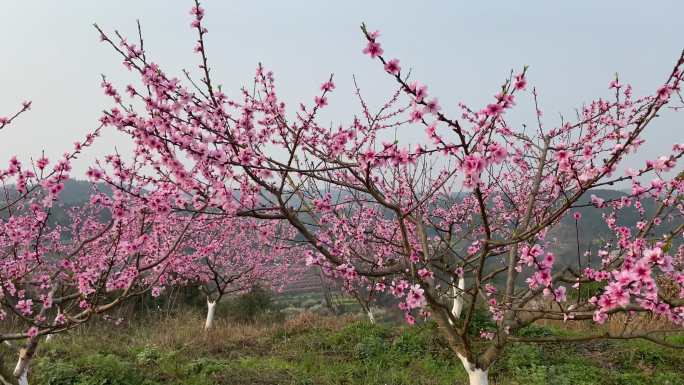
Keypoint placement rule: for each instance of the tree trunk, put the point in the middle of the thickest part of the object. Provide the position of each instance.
(211, 309)
(327, 295)
(476, 376)
(457, 307)
(50, 337)
(23, 380)
(29, 351)
(24, 361)
(371, 317)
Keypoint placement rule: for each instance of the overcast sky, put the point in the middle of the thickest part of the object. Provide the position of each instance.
(463, 50)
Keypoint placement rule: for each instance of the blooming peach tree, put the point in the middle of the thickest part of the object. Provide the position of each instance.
(450, 223)
(57, 275)
(233, 255)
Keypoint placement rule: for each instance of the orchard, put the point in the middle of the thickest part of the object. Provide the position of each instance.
(441, 210)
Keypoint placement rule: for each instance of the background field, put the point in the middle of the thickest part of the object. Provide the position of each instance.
(256, 343)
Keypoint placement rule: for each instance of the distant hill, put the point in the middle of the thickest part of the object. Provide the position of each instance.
(592, 228)
(75, 194)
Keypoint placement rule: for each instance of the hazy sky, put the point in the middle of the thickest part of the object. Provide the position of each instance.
(463, 50)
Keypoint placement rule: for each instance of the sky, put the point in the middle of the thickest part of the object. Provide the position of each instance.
(463, 50)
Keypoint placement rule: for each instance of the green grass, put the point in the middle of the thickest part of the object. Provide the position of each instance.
(320, 350)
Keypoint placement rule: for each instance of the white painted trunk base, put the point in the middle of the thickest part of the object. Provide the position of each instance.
(457, 308)
(211, 309)
(371, 317)
(476, 375)
(21, 370)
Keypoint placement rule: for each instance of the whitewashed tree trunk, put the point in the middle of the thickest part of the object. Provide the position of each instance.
(476, 376)
(50, 337)
(23, 380)
(458, 299)
(211, 309)
(22, 368)
(29, 351)
(371, 317)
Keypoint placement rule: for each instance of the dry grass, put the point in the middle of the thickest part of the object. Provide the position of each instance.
(617, 324)
(185, 332)
(314, 349)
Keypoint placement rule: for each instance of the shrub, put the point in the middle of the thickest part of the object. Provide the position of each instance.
(255, 304)
(95, 369)
(205, 366)
(149, 355)
(356, 333)
(412, 342)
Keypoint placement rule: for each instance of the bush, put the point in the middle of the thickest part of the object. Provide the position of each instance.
(149, 355)
(357, 333)
(95, 369)
(205, 367)
(256, 304)
(520, 356)
(415, 341)
(531, 375)
(370, 348)
(578, 373)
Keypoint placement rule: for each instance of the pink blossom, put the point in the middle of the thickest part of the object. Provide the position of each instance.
(392, 66)
(373, 49)
(596, 201)
(156, 292)
(520, 82)
(42, 163)
(473, 164)
(416, 115)
(25, 307)
(497, 153)
(432, 106)
(321, 101)
(560, 294)
(494, 109)
(664, 93)
(487, 335)
(94, 174)
(328, 86)
(425, 274)
(631, 172)
(32, 332)
(415, 297)
(419, 91)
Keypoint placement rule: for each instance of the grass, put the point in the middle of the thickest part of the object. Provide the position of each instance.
(310, 349)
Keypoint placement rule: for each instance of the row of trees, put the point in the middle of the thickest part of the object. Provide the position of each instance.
(451, 222)
(55, 276)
